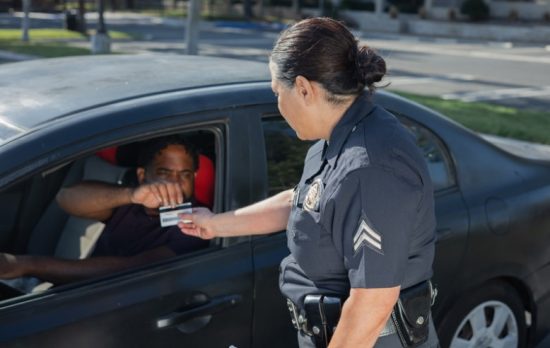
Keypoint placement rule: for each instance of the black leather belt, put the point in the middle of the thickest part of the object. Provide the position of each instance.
(300, 322)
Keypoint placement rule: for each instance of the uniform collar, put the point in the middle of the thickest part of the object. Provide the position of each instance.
(359, 109)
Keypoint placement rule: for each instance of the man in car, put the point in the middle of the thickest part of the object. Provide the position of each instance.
(132, 235)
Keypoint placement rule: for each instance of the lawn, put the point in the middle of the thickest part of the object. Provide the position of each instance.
(529, 125)
(47, 42)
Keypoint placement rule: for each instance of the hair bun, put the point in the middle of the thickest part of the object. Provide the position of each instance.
(371, 67)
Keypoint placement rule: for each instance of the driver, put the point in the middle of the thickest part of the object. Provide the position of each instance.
(132, 235)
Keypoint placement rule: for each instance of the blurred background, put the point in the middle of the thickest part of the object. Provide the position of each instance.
(484, 63)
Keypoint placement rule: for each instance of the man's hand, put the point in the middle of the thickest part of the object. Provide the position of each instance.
(157, 194)
(10, 267)
(198, 224)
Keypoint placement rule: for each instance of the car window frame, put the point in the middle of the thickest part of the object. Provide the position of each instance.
(441, 145)
(217, 127)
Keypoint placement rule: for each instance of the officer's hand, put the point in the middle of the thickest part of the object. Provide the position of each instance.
(9, 268)
(157, 194)
(198, 224)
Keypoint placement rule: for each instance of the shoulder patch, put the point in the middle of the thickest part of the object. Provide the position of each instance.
(367, 236)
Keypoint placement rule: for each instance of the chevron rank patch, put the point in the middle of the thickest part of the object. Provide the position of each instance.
(366, 235)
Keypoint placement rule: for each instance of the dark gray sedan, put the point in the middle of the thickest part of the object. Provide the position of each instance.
(492, 266)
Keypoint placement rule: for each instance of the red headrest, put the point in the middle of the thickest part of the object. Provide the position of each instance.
(204, 180)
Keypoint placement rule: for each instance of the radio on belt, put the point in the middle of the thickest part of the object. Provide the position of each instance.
(169, 214)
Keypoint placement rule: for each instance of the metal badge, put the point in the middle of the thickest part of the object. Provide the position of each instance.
(313, 197)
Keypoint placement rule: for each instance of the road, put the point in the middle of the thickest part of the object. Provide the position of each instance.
(501, 73)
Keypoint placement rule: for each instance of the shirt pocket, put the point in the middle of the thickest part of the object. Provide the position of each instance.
(305, 226)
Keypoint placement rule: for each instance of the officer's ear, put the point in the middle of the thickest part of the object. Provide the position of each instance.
(305, 89)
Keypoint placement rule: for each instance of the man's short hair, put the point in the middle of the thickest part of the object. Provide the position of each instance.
(150, 148)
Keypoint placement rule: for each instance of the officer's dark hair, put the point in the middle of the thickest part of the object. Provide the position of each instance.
(325, 51)
(149, 149)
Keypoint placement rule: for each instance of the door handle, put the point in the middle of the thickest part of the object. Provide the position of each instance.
(213, 306)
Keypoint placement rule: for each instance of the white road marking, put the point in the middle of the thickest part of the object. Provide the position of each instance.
(403, 81)
(509, 93)
(462, 52)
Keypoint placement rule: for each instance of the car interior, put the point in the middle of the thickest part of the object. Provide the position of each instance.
(33, 223)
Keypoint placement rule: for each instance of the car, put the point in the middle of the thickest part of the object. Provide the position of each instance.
(58, 118)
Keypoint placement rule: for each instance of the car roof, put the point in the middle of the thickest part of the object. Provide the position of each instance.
(35, 92)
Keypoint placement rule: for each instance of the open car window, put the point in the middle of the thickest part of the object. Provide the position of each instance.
(36, 224)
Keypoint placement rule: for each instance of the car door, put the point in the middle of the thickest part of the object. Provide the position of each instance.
(450, 209)
(195, 300)
(281, 162)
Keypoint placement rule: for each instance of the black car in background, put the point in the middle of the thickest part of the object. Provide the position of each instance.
(492, 266)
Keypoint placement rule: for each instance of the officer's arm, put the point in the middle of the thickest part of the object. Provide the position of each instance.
(364, 315)
(267, 216)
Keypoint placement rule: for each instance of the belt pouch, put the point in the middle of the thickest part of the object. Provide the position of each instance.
(313, 308)
(411, 314)
(331, 310)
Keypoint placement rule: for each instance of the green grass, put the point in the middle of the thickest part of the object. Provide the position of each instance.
(523, 124)
(48, 43)
(46, 50)
(39, 34)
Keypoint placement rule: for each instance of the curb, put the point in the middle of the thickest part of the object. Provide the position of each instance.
(16, 57)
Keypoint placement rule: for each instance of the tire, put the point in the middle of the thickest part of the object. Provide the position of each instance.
(488, 317)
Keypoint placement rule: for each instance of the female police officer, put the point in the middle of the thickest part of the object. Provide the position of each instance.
(360, 223)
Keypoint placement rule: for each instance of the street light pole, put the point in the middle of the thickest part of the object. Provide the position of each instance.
(192, 29)
(101, 24)
(101, 42)
(25, 22)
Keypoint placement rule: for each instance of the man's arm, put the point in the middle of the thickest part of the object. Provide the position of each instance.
(97, 200)
(62, 271)
(364, 315)
(267, 216)
(93, 200)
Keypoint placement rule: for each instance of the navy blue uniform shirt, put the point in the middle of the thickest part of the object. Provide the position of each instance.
(363, 213)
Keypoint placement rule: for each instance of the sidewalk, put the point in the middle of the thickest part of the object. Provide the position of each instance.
(368, 22)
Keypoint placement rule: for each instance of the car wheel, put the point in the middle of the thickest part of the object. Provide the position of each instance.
(491, 316)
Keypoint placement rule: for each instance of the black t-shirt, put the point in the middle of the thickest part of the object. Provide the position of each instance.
(130, 231)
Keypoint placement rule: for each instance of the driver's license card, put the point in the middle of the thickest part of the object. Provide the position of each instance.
(169, 215)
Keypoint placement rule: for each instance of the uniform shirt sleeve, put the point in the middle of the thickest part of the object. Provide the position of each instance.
(372, 218)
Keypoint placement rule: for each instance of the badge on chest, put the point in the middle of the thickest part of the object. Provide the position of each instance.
(313, 196)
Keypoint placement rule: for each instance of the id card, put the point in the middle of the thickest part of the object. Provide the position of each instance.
(169, 214)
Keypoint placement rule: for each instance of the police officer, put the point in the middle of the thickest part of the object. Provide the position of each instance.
(360, 223)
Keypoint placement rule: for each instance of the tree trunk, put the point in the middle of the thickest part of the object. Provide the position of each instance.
(82, 17)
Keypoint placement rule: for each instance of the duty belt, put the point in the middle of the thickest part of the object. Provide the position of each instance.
(300, 322)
